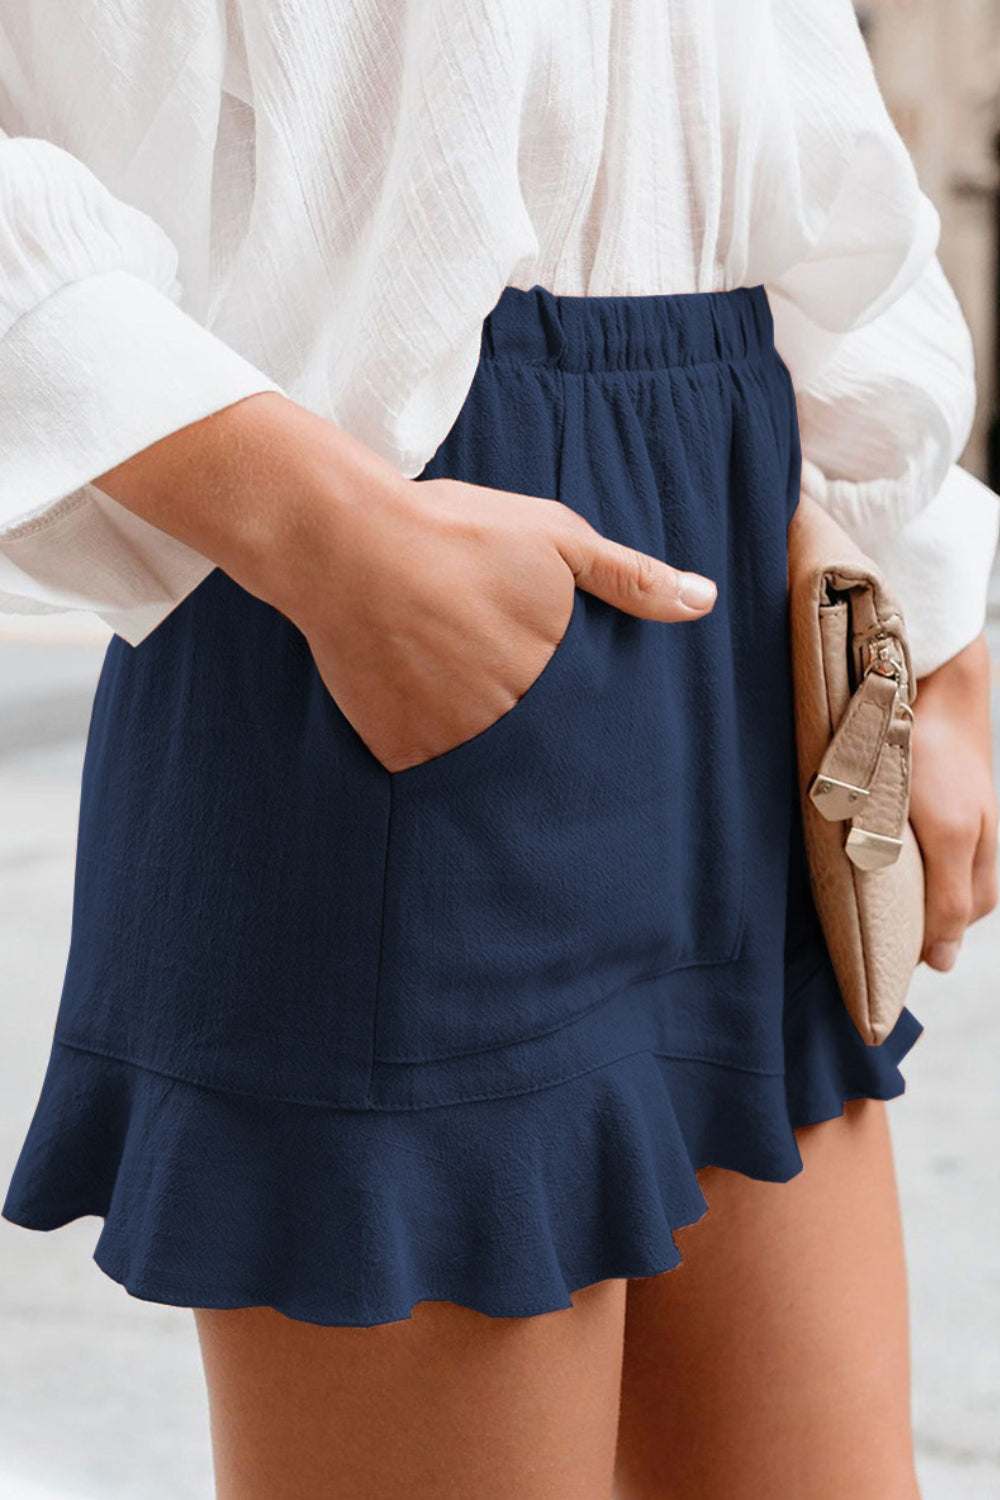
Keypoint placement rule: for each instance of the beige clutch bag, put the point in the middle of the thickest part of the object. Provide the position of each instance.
(854, 689)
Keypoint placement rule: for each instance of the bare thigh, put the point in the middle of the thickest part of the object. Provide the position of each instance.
(774, 1361)
(447, 1404)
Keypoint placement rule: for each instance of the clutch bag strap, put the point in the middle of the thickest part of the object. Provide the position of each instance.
(864, 775)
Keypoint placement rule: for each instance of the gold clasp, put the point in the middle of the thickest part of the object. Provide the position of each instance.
(872, 851)
(835, 799)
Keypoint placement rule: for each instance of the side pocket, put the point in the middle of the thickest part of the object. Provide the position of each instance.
(592, 837)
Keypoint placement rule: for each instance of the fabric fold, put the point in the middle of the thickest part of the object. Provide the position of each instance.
(68, 413)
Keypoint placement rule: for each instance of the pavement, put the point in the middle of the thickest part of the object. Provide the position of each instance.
(101, 1396)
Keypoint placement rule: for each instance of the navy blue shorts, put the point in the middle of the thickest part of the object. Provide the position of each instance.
(337, 1040)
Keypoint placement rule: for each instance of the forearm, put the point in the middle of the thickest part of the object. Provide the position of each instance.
(250, 486)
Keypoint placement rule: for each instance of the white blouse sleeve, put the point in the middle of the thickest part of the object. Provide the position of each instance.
(939, 563)
(883, 421)
(97, 361)
(878, 349)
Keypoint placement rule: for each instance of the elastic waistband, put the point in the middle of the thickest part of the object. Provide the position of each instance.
(627, 333)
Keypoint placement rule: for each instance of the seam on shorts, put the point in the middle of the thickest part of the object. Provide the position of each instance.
(333, 1105)
(379, 964)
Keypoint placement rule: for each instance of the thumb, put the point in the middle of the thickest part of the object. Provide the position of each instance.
(634, 581)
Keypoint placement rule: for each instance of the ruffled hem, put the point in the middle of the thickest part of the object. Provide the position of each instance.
(351, 1218)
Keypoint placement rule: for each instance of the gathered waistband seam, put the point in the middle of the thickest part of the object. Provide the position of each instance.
(557, 367)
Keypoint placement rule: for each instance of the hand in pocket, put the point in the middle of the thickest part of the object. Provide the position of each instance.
(430, 606)
(446, 603)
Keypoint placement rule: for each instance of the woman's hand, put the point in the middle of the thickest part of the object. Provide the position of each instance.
(953, 805)
(433, 607)
(430, 607)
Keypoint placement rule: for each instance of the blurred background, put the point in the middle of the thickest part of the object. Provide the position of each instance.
(101, 1396)
(938, 63)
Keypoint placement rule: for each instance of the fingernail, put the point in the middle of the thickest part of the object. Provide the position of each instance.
(942, 955)
(696, 592)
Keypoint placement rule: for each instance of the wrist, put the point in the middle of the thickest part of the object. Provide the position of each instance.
(957, 693)
(315, 498)
(260, 488)
(967, 671)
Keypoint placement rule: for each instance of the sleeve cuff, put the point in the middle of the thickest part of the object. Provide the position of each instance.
(92, 375)
(93, 555)
(939, 565)
(98, 371)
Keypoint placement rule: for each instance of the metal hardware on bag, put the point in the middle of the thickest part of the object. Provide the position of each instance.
(835, 799)
(884, 655)
(872, 851)
(839, 800)
(881, 658)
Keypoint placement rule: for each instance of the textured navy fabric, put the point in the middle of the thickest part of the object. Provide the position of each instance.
(338, 1040)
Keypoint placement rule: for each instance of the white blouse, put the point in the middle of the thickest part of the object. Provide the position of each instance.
(326, 197)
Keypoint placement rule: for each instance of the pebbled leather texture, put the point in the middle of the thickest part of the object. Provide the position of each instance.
(873, 920)
(855, 749)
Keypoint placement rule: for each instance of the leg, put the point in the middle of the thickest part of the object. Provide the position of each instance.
(448, 1403)
(775, 1360)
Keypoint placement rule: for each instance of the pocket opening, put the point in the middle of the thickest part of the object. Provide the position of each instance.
(481, 735)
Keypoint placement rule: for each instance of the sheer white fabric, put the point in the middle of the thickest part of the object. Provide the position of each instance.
(199, 201)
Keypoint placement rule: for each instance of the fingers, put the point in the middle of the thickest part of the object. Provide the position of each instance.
(956, 883)
(633, 581)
